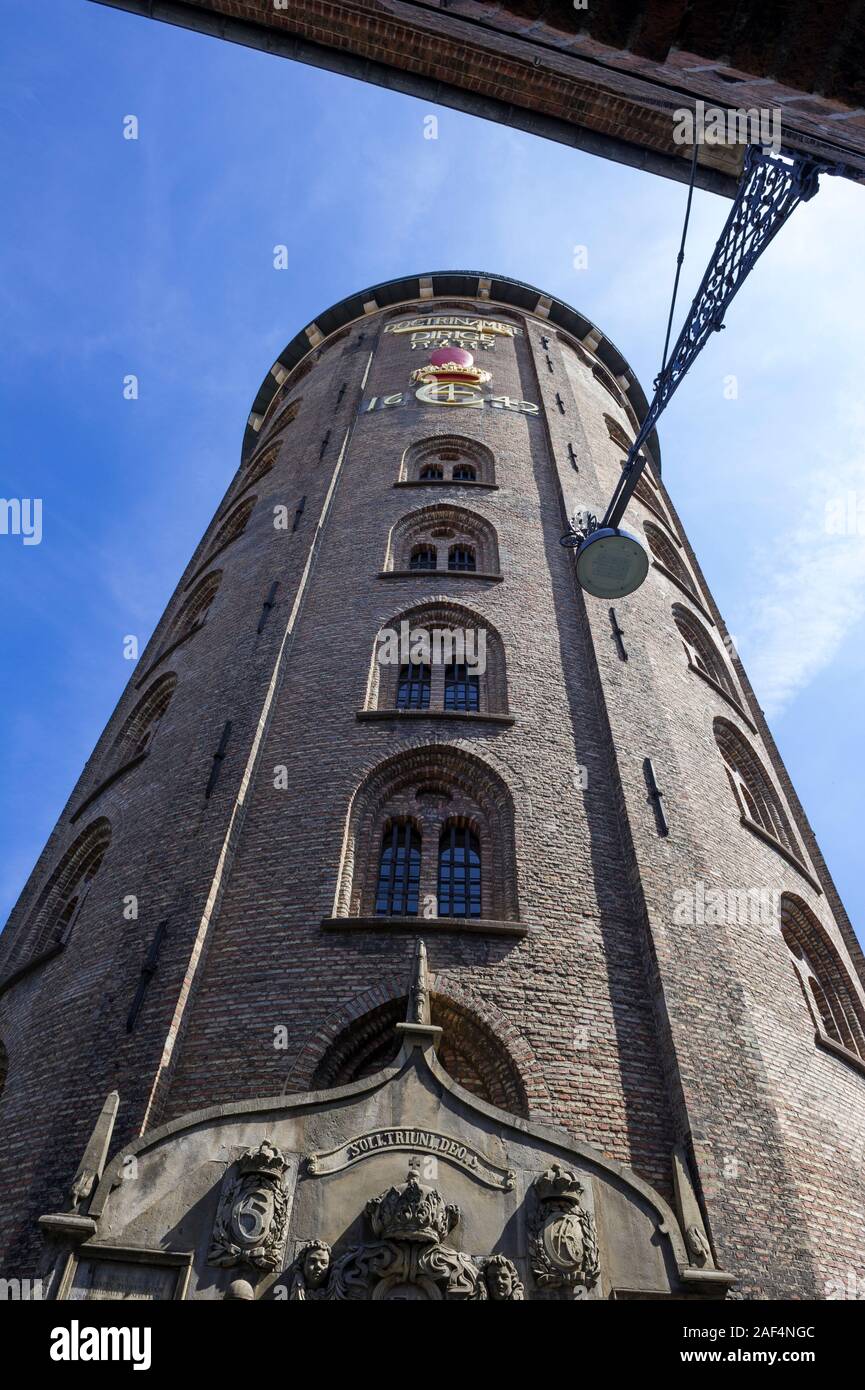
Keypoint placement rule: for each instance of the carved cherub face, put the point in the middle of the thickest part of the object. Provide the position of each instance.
(316, 1263)
(499, 1280)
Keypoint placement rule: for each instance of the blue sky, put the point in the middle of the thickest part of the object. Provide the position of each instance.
(155, 257)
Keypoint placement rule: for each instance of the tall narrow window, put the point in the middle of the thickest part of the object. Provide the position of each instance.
(423, 557)
(459, 873)
(138, 732)
(703, 654)
(461, 557)
(63, 898)
(829, 992)
(757, 798)
(664, 553)
(462, 688)
(195, 609)
(398, 872)
(413, 691)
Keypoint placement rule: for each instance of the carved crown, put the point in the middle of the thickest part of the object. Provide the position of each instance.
(411, 1212)
(267, 1160)
(451, 371)
(557, 1184)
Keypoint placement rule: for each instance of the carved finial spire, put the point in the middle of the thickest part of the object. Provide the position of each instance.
(71, 1224)
(418, 994)
(418, 1029)
(93, 1160)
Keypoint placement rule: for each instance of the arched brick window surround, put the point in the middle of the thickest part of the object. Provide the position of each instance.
(617, 434)
(704, 654)
(442, 527)
(139, 729)
(271, 440)
(756, 797)
(61, 900)
(609, 383)
(830, 993)
(444, 616)
(230, 529)
(430, 786)
(259, 466)
(650, 499)
(281, 413)
(194, 611)
(353, 1034)
(447, 452)
(669, 561)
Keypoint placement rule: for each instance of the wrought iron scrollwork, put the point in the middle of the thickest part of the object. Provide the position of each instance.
(771, 188)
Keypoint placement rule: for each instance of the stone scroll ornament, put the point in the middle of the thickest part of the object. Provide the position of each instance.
(251, 1221)
(406, 1261)
(563, 1242)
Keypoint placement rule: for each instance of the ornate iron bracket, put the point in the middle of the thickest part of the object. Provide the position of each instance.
(771, 188)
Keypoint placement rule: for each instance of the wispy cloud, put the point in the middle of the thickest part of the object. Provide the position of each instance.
(809, 586)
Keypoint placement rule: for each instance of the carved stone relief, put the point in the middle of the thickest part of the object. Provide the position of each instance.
(252, 1218)
(563, 1242)
(407, 1260)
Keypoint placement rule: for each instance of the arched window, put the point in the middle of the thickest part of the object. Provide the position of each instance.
(665, 555)
(423, 557)
(140, 728)
(444, 528)
(413, 690)
(287, 414)
(469, 1051)
(60, 903)
(608, 382)
(259, 465)
(830, 993)
(333, 340)
(398, 871)
(231, 529)
(194, 610)
(461, 557)
(455, 802)
(758, 801)
(703, 653)
(617, 434)
(462, 687)
(453, 660)
(651, 500)
(459, 892)
(422, 461)
(277, 417)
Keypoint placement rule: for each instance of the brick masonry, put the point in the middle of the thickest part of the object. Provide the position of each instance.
(606, 78)
(582, 999)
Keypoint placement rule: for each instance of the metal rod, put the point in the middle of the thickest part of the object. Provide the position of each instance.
(771, 188)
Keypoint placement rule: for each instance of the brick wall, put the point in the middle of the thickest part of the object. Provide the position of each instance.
(630, 1028)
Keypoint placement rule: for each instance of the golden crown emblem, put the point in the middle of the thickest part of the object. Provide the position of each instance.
(450, 364)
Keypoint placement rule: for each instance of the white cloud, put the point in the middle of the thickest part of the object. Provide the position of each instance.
(810, 587)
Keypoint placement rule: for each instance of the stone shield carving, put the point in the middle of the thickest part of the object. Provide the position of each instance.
(563, 1243)
(251, 1221)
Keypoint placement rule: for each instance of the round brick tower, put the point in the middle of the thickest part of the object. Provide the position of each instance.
(378, 707)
